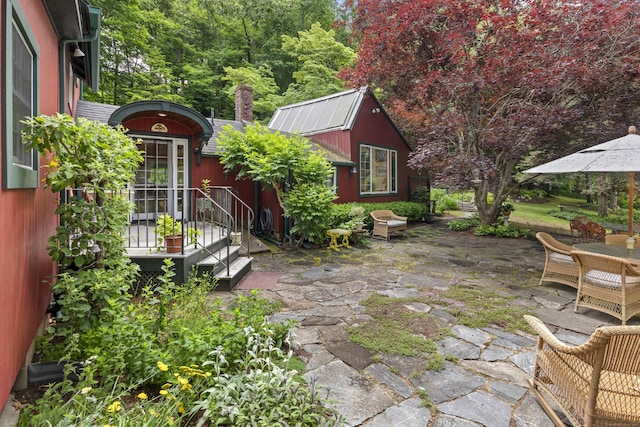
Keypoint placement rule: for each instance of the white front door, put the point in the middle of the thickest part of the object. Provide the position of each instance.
(161, 178)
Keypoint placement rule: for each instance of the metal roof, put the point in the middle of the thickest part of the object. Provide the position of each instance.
(329, 113)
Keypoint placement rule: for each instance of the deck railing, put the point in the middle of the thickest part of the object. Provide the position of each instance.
(206, 217)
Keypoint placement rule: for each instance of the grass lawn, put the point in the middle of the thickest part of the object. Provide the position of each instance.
(536, 213)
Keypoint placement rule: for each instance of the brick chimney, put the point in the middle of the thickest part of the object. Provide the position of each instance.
(244, 103)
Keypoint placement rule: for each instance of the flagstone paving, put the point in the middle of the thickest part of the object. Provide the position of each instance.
(486, 385)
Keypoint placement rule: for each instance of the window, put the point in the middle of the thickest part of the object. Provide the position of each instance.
(378, 170)
(332, 180)
(20, 166)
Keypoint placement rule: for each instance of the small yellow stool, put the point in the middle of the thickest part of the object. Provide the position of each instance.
(334, 234)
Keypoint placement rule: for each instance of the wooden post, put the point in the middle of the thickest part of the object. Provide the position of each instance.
(631, 199)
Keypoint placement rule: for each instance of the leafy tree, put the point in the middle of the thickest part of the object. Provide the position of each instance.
(263, 84)
(287, 164)
(478, 84)
(321, 57)
(178, 49)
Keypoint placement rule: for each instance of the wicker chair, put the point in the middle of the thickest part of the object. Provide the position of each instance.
(594, 384)
(619, 240)
(608, 284)
(386, 222)
(559, 267)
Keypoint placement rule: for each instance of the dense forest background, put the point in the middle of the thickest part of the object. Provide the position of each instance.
(196, 51)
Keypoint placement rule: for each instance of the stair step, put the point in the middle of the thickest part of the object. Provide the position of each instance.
(220, 255)
(237, 270)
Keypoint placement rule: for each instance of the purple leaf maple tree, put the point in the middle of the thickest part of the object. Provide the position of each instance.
(478, 85)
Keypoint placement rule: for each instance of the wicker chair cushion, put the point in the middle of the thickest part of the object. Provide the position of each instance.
(561, 258)
(395, 223)
(612, 280)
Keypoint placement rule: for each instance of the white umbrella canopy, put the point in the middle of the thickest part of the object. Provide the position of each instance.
(618, 155)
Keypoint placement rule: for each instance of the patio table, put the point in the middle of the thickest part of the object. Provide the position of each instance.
(611, 250)
(334, 234)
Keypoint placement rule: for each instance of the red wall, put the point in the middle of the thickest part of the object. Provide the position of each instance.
(374, 129)
(27, 219)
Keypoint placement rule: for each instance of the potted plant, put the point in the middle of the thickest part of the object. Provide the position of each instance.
(169, 230)
(507, 207)
(357, 215)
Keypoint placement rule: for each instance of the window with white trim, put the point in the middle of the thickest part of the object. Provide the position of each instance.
(20, 166)
(378, 170)
(332, 180)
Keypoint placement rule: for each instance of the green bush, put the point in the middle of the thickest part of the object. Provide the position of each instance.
(311, 205)
(510, 231)
(415, 212)
(462, 224)
(447, 203)
(421, 194)
(532, 194)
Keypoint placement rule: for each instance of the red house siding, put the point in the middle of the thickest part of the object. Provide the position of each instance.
(339, 141)
(375, 129)
(211, 169)
(27, 219)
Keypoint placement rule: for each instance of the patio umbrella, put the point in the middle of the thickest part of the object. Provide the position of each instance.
(618, 155)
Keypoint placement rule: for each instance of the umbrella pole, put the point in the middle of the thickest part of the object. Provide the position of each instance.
(631, 199)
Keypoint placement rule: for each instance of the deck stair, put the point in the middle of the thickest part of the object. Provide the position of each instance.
(223, 223)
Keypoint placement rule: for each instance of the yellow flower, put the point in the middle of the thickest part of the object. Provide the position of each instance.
(114, 407)
(85, 390)
(180, 408)
(183, 381)
(163, 367)
(164, 392)
(143, 396)
(170, 421)
(108, 425)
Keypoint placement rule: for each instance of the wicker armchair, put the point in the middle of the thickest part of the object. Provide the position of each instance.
(386, 222)
(594, 384)
(559, 267)
(608, 284)
(619, 240)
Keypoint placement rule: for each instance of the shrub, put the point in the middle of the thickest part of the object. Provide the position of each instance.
(498, 230)
(447, 203)
(421, 194)
(413, 211)
(462, 224)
